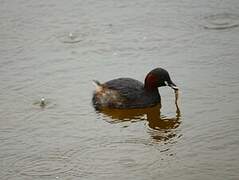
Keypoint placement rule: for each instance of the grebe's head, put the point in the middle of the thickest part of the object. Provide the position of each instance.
(158, 77)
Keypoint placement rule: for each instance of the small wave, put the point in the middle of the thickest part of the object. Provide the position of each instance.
(41, 166)
(221, 21)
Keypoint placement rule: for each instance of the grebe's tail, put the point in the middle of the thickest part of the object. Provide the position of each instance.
(98, 85)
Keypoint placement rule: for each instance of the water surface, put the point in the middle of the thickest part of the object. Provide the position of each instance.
(54, 49)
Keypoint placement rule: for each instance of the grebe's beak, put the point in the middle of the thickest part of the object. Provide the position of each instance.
(172, 85)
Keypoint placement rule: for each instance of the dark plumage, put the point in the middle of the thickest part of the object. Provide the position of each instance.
(129, 93)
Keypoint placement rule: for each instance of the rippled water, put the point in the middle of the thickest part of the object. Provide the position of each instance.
(54, 49)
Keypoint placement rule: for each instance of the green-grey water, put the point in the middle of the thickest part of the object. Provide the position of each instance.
(54, 49)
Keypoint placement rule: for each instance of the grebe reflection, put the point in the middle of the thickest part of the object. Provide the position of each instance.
(152, 115)
(161, 128)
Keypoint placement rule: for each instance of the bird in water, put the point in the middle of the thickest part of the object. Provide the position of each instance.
(128, 93)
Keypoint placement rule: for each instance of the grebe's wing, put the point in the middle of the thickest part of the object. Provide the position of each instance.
(126, 87)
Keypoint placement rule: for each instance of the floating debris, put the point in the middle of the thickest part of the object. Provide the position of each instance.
(42, 102)
(71, 37)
